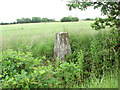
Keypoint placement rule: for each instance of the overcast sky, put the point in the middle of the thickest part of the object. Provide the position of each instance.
(10, 10)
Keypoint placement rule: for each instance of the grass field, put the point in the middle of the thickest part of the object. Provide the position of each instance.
(92, 54)
(42, 35)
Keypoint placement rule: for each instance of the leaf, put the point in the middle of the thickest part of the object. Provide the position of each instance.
(14, 82)
(35, 71)
(68, 4)
(95, 7)
(70, 8)
(7, 77)
(42, 72)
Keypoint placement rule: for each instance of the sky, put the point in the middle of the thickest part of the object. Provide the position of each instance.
(10, 10)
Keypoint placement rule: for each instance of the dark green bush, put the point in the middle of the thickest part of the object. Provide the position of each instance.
(104, 56)
(69, 19)
(74, 19)
(100, 53)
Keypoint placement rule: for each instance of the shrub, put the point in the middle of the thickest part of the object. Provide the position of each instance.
(66, 19)
(75, 19)
(19, 69)
(100, 55)
(22, 70)
(104, 57)
(69, 19)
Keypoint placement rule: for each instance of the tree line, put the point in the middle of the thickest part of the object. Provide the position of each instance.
(34, 20)
(38, 19)
(29, 20)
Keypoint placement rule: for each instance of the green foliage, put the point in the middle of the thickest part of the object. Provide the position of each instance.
(51, 20)
(33, 20)
(24, 20)
(91, 19)
(100, 56)
(92, 56)
(20, 70)
(1, 23)
(74, 19)
(69, 19)
(108, 80)
(66, 19)
(43, 50)
(104, 52)
(111, 9)
(45, 19)
(36, 19)
(87, 69)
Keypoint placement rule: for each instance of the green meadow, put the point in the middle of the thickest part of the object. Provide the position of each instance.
(41, 36)
(28, 56)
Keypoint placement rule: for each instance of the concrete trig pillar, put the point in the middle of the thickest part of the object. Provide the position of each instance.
(62, 45)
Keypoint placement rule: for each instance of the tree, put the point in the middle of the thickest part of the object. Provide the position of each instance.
(88, 19)
(69, 19)
(28, 20)
(111, 9)
(52, 20)
(24, 20)
(75, 19)
(36, 19)
(45, 19)
(18, 21)
(66, 19)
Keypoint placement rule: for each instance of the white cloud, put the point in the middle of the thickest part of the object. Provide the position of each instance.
(10, 10)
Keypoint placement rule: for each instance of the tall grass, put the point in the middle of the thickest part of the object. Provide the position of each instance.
(109, 80)
(40, 37)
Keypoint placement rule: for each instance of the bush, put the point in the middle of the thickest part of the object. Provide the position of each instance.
(103, 51)
(22, 70)
(19, 69)
(100, 54)
(75, 19)
(69, 19)
(66, 19)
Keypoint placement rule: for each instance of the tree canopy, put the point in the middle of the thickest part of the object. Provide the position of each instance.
(69, 19)
(111, 9)
(34, 20)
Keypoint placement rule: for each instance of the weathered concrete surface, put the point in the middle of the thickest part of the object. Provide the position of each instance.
(62, 45)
